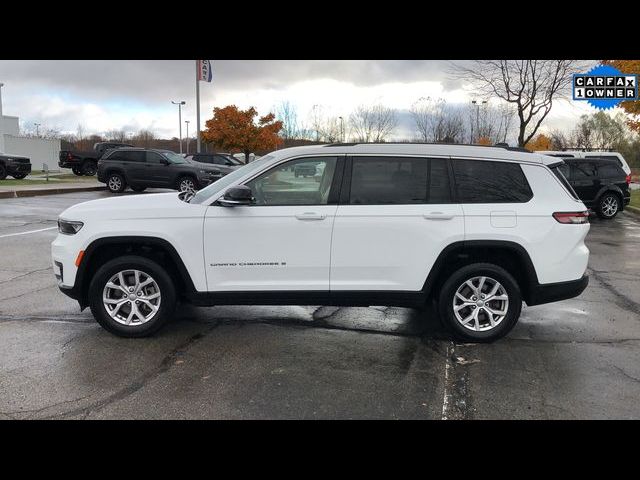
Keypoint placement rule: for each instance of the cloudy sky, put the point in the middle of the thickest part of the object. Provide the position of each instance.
(105, 95)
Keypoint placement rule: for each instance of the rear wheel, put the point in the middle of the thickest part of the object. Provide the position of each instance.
(77, 171)
(19, 176)
(89, 168)
(608, 206)
(480, 302)
(132, 296)
(116, 183)
(3, 172)
(187, 184)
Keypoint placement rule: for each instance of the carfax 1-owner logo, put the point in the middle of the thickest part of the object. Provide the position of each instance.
(605, 87)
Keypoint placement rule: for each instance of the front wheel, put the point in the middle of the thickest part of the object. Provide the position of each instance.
(3, 172)
(19, 176)
(116, 183)
(608, 206)
(480, 302)
(132, 296)
(77, 171)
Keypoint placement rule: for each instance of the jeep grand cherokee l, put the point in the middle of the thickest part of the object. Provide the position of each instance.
(479, 230)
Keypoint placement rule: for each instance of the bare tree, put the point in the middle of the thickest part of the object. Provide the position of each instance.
(559, 140)
(116, 135)
(287, 113)
(530, 85)
(144, 138)
(373, 124)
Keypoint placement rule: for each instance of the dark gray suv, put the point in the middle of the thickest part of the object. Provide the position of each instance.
(141, 168)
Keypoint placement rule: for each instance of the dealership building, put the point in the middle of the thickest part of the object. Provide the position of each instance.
(41, 151)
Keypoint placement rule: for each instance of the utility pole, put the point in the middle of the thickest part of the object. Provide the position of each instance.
(1, 122)
(341, 129)
(187, 122)
(180, 103)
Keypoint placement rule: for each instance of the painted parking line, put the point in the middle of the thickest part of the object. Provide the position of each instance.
(27, 233)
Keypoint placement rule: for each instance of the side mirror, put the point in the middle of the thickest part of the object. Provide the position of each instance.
(235, 196)
(165, 161)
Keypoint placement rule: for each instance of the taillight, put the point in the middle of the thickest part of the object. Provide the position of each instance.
(69, 156)
(628, 179)
(572, 217)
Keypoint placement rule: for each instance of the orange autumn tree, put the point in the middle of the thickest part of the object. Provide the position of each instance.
(235, 130)
(632, 108)
(539, 142)
(484, 141)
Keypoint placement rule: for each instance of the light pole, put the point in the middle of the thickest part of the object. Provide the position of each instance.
(37, 125)
(316, 122)
(187, 122)
(1, 122)
(180, 103)
(475, 102)
(341, 129)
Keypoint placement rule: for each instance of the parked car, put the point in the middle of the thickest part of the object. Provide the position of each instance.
(140, 168)
(223, 163)
(616, 156)
(305, 170)
(15, 165)
(475, 229)
(600, 183)
(86, 162)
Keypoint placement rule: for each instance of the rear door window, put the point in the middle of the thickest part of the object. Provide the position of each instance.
(485, 181)
(610, 171)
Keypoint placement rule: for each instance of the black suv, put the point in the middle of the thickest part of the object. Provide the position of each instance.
(600, 183)
(140, 168)
(15, 165)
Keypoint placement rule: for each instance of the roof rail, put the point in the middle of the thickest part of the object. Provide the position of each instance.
(497, 145)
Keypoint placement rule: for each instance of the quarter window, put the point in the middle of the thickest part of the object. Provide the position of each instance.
(306, 181)
(483, 181)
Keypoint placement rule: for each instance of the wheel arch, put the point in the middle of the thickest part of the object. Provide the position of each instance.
(153, 248)
(511, 256)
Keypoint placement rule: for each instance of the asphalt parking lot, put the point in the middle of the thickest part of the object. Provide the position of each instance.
(575, 359)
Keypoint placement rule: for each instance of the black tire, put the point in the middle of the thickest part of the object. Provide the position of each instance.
(77, 171)
(19, 176)
(116, 183)
(186, 179)
(608, 206)
(89, 168)
(138, 189)
(457, 279)
(3, 172)
(131, 262)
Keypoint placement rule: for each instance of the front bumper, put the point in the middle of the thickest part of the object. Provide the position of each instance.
(554, 292)
(19, 168)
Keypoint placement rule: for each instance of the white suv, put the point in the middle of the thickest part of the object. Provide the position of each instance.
(476, 229)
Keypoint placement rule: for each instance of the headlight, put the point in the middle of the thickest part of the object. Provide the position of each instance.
(69, 228)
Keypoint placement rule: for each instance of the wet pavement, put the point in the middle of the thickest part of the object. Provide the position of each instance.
(579, 358)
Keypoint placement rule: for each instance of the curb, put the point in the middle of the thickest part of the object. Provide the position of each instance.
(47, 191)
(634, 211)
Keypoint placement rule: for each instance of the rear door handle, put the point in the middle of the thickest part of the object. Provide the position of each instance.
(310, 216)
(437, 216)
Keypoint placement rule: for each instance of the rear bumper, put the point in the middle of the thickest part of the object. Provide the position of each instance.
(554, 292)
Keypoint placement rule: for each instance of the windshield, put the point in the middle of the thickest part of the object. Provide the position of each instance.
(174, 157)
(229, 179)
(233, 160)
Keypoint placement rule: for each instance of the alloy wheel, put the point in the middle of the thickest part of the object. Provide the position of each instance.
(131, 297)
(609, 206)
(480, 304)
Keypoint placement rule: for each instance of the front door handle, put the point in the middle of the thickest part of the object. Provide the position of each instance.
(310, 216)
(437, 216)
